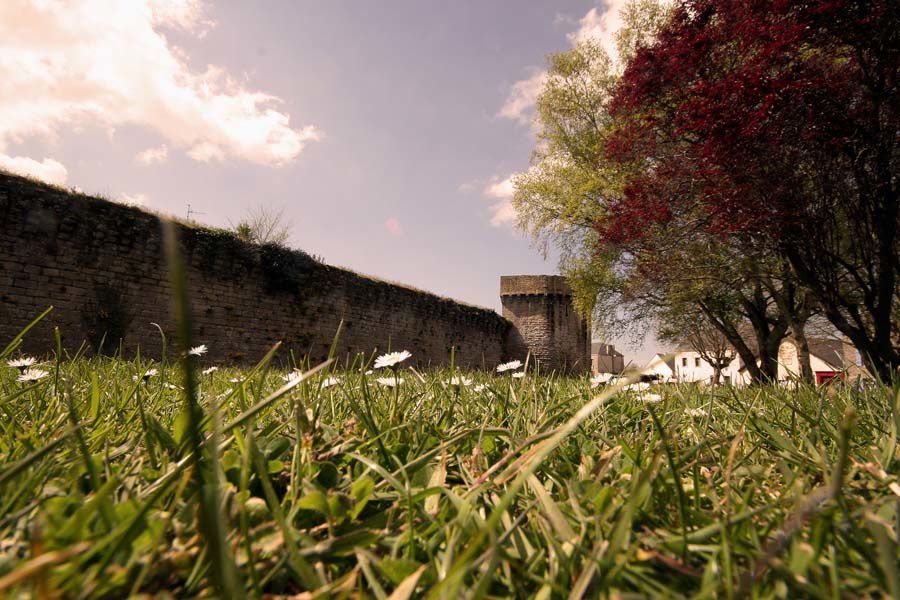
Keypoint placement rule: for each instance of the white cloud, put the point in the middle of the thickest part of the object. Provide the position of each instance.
(133, 199)
(205, 152)
(502, 211)
(187, 15)
(47, 170)
(523, 95)
(63, 64)
(393, 226)
(153, 156)
(501, 189)
(600, 24)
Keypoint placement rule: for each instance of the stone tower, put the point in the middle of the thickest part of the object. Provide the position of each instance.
(545, 323)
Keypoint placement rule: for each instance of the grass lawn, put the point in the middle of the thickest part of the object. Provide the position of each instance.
(495, 487)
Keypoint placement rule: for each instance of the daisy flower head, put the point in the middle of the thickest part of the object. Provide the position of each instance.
(480, 388)
(293, 375)
(392, 359)
(22, 363)
(390, 381)
(652, 398)
(147, 375)
(458, 381)
(210, 370)
(695, 412)
(519, 375)
(30, 375)
(510, 366)
(330, 381)
(198, 350)
(600, 379)
(235, 380)
(637, 387)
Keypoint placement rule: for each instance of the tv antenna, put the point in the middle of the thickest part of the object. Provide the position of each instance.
(192, 212)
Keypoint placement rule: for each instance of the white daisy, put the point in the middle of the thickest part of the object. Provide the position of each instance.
(210, 370)
(147, 375)
(519, 375)
(695, 412)
(22, 363)
(510, 366)
(32, 375)
(389, 381)
(391, 359)
(198, 350)
(600, 379)
(459, 381)
(369, 372)
(637, 387)
(330, 381)
(293, 375)
(651, 398)
(479, 388)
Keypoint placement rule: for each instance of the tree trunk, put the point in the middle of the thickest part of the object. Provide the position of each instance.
(768, 360)
(802, 345)
(875, 347)
(798, 319)
(740, 346)
(768, 343)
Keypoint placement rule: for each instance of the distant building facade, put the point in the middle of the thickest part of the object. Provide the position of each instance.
(829, 358)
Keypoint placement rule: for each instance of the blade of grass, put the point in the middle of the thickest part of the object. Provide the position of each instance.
(205, 468)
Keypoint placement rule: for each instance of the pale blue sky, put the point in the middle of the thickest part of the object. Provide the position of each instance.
(397, 104)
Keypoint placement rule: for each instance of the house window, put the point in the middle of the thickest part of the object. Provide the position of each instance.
(697, 361)
(684, 361)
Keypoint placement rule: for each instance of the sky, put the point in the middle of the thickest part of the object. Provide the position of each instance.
(386, 131)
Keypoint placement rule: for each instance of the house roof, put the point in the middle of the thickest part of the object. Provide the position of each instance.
(657, 358)
(605, 349)
(830, 351)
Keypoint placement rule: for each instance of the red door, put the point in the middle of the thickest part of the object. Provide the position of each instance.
(824, 376)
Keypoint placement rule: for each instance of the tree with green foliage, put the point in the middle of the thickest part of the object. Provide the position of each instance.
(570, 192)
(570, 184)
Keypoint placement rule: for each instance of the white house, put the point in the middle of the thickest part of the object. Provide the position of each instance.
(686, 366)
(660, 367)
(691, 367)
(828, 358)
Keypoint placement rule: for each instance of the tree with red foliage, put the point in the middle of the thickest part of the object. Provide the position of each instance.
(777, 123)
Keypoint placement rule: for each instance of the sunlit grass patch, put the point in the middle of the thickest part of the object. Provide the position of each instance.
(448, 483)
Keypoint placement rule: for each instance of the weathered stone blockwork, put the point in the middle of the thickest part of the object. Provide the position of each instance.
(101, 266)
(545, 322)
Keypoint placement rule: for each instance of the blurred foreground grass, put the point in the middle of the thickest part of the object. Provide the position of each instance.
(482, 486)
